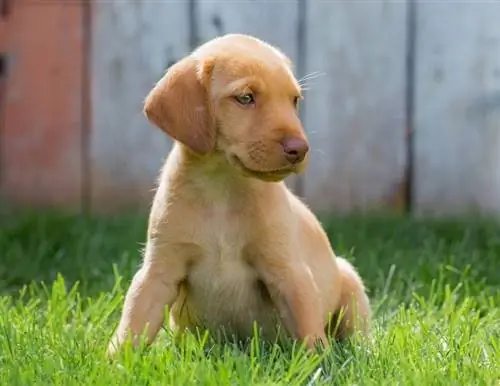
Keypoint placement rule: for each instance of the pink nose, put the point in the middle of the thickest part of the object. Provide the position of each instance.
(295, 149)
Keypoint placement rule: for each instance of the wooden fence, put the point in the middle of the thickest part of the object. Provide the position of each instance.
(404, 111)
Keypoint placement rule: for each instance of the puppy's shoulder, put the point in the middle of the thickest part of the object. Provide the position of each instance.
(307, 219)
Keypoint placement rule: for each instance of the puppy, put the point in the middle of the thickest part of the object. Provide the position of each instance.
(228, 244)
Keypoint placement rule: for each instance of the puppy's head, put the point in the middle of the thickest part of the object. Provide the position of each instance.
(235, 96)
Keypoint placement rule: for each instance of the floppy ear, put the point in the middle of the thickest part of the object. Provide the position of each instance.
(179, 105)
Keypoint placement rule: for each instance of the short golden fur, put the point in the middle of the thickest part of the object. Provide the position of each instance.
(228, 244)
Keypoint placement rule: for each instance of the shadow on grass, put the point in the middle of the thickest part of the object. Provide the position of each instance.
(36, 246)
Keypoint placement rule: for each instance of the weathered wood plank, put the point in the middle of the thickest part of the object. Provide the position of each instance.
(355, 108)
(41, 154)
(133, 44)
(4, 24)
(273, 21)
(457, 143)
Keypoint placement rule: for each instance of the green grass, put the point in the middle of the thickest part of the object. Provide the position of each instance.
(434, 286)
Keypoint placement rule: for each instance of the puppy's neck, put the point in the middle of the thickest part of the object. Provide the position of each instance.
(211, 177)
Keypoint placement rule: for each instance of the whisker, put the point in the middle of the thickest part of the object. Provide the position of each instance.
(306, 84)
(312, 75)
(309, 75)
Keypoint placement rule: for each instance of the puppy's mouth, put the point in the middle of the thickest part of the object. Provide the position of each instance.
(273, 175)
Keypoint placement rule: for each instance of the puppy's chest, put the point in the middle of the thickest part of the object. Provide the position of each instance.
(224, 266)
(222, 233)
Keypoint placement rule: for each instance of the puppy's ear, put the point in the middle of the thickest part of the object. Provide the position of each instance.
(179, 105)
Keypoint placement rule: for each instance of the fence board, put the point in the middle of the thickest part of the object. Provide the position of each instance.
(41, 154)
(355, 111)
(273, 21)
(457, 143)
(133, 44)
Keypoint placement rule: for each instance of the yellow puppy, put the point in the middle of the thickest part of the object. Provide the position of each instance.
(228, 244)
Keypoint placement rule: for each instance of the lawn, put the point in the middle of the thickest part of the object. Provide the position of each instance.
(434, 287)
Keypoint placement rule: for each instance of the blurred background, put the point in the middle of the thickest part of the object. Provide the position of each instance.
(402, 103)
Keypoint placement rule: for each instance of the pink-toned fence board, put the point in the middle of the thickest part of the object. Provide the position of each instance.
(41, 153)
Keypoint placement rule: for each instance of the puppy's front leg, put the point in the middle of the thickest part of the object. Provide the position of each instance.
(153, 287)
(296, 296)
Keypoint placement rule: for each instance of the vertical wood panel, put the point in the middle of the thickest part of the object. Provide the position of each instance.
(355, 111)
(4, 30)
(275, 22)
(41, 156)
(133, 44)
(457, 143)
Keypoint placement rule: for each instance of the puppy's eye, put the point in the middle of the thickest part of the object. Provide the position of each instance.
(245, 99)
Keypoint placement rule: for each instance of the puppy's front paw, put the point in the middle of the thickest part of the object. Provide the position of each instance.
(317, 343)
